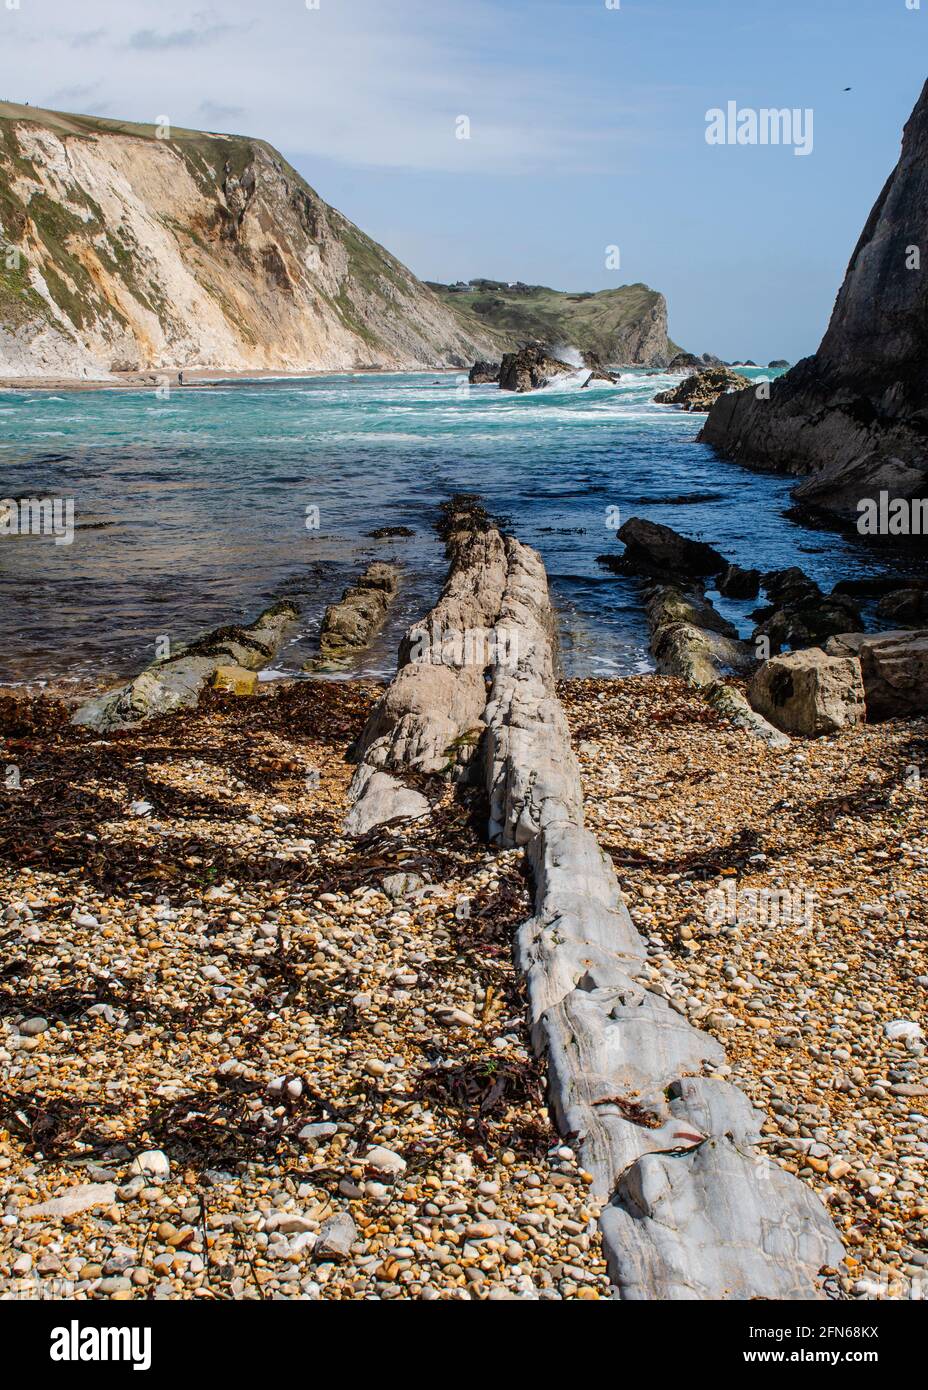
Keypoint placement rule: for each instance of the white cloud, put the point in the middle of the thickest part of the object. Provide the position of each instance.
(360, 81)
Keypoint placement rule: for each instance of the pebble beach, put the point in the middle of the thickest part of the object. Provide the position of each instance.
(244, 1057)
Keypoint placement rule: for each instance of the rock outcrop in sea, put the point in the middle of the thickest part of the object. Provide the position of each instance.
(852, 420)
(701, 391)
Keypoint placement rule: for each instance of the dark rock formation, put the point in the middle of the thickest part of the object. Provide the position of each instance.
(904, 606)
(701, 391)
(529, 369)
(484, 374)
(739, 583)
(385, 533)
(659, 552)
(799, 614)
(854, 417)
(600, 375)
(684, 360)
(777, 363)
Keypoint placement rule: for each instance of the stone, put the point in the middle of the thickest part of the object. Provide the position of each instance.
(484, 374)
(349, 625)
(236, 680)
(894, 666)
(739, 583)
(905, 606)
(154, 1163)
(658, 551)
(323, 1129)
(402, 885)
(702, 390)
(383, 798)
(336, 1237)
(385, 1161)
(177, 681)
(530, 368)
(809, 692)
(75, 1199)
(903, 1030)
(32, 1027)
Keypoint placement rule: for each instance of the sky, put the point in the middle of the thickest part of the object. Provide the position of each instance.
(585, 130)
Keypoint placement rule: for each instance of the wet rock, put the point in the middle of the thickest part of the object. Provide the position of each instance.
(739, 583)
(349, 625)
(484, 374)
(530, 369)
(177, 681)
(662, 553)
(701, 391)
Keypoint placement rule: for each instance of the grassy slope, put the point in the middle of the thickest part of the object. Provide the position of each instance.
(588, 321)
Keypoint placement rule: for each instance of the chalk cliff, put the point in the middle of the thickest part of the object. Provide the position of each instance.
(120, 250)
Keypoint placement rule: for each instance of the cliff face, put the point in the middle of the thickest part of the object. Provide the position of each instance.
(854, 417)
(123, 251)
(627, 325)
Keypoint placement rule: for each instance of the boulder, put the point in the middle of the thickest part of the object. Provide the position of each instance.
(529, 369)
(600, 374)
(739, 583)
(177, 681)
(349, 625)
(809, 692)
(701, 391)
(905, 605)
(235, 679)
(894, 666)
(800, 615)
(684, 361)
(662, 553)
(484, 374)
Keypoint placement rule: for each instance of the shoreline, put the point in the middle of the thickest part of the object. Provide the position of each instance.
(154, 377)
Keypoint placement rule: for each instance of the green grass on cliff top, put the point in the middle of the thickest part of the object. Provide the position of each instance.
(589, 320)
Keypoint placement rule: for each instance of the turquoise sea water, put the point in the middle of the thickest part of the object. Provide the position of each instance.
(191, 511)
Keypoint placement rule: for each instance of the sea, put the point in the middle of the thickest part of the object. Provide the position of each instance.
(199, 505)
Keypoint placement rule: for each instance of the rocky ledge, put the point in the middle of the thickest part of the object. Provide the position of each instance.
(701, 391)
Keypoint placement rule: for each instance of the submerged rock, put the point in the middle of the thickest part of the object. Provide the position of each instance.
(701, 391)
(349, 625)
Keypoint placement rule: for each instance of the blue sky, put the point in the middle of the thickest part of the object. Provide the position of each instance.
(587, 130)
